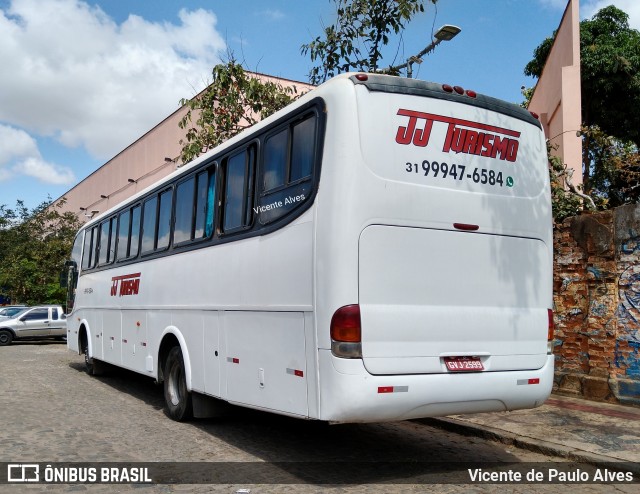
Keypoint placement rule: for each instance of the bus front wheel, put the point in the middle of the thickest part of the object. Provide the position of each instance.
(176, 395)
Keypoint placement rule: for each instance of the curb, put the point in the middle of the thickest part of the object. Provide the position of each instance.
(546, 448)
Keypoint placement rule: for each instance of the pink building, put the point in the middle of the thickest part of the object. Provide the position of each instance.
(557, 96)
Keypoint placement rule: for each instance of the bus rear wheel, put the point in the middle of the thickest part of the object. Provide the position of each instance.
(176, 395)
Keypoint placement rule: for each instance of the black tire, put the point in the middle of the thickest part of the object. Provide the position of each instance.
(6, 337)
(88, 361)
(176, 396)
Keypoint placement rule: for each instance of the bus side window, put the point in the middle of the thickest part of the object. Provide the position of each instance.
(303, 149)
(134, 240)
(107, 241)
(150, 212)
(124, 222)
(205, 203)
(87, 249)
(95, 250)
(183, 227)
(287, 167)
(275, 160)
(164, 220)
(238, 197)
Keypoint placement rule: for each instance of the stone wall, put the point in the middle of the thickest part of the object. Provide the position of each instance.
(597, 305)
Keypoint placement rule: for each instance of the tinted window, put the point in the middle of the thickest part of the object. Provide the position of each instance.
(289, 157)
(303, 149)
(184, 211)
(205, 204)
(235, 192)
(95, 249)
(86, 252)
(164, 220)
(124, 222)
(134, 244)
(37, 315)
(275, 160)
(149, 225)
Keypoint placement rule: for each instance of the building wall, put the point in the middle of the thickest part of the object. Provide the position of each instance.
(557, 96)
(597, 305)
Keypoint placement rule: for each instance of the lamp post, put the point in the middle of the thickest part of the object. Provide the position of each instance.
(445, 33)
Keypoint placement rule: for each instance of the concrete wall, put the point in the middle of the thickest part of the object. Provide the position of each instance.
(597, 305)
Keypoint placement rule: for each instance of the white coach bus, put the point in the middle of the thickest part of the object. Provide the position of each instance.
(381, 249)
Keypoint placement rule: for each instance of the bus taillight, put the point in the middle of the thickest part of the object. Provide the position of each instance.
(550, 332)
(346, 332)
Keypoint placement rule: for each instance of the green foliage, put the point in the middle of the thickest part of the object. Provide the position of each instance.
(34, 245)
(565, 202)
(234, 101)
(360, 23)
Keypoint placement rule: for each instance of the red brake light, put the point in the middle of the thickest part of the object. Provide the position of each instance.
(535, 115)
(362, 77)
(551, 325)
(465, 226)
(345, 324)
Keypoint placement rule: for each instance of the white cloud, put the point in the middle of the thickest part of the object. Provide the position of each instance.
(632, 7)
(73, 73)
(15, 143)
(19, 154)
(45, 172)
(271, 14)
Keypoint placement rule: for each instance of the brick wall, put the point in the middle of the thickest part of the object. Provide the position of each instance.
(597, 305)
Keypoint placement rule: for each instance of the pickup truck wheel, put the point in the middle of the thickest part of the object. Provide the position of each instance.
(5, 337)
(176, 395)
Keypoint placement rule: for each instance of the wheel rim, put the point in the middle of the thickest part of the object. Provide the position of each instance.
(4, 338)
(174, 388)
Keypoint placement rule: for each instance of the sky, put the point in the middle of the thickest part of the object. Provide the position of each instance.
(83, 79)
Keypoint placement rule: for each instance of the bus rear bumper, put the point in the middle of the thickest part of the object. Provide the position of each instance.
(348, 393)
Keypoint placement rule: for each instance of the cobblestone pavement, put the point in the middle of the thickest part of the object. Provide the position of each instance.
(53, 412)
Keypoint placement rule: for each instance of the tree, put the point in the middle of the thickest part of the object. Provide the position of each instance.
(34, 245)
(234, 101)
(366, 23)
(610, 78)
(237, 99)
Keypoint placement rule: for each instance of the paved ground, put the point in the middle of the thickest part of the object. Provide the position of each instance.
(54, 412)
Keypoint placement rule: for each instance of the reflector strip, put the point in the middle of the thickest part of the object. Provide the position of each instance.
(393, 389)
(295, 372)
(524, 382)
(233, 360)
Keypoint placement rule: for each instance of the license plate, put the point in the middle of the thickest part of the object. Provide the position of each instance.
(463, 364)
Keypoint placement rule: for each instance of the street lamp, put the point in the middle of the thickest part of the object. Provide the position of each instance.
(445, 33)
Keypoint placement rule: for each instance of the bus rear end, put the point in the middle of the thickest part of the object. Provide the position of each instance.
(449, 218)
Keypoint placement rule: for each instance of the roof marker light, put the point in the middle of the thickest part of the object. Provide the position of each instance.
(471, 93)
(466, 226)
(447, 88)
(535, 115)
(362, 77)
(458, 89)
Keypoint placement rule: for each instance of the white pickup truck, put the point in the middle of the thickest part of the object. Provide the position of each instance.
(44, 321)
